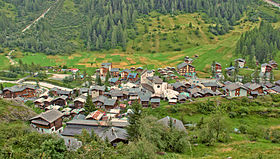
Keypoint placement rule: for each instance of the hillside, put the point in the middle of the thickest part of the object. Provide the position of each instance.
(10, 110)
(153, 39)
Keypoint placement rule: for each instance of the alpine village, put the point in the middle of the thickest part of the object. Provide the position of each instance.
(140, 79)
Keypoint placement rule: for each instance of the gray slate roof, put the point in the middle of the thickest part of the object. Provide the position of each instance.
(178, 124)
(19, 88)
(110, 102)
(148, 87)
(144, 97)
(115, 70)
(178, 84)
(276, 89)
(49, 116)
(183, 65)
(234, 86)
(252, 86)
(210, 84)
(113, 134)
(99, 88)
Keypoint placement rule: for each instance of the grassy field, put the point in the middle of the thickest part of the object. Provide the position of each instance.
(4, 62)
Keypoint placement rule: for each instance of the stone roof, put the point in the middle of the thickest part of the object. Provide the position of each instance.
(148, 87)
(48, 116)
(84, 90)
(113, 134)
(83, 122)
(155, 79)
(276, 89)
(99, 99)
(116, 93)
(252, 86)
(183, 65)
(110, 102)
(178, 84)
(144, 97)
(96, 87)
(210, 84)
(177, 124)
(19, 88)
(234, 86)
(115, 70)
(61, 97)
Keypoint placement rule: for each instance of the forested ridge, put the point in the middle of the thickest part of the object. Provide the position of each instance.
(261, 44)
(106, 24)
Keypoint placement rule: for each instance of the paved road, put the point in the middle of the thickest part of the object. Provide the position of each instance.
(273, 3)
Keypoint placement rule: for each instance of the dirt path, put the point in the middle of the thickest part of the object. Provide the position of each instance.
(40, 17)
(12, 62)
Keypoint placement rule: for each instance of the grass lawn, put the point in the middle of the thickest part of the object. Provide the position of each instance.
(8, 84)
(4, 62)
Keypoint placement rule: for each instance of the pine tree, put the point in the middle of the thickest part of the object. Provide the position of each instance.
(134, 121)
(89, 106)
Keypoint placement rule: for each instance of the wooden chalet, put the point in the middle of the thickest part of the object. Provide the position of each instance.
(185, 69)
(48, 122)
(24, 91)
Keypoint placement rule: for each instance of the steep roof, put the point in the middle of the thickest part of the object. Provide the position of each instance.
(177, 124)
(148, 87)
(155, 79)
(178, 84)
(113, 134)
(182, 65)
(48, 116)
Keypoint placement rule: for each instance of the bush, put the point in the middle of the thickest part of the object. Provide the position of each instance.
(275, 136)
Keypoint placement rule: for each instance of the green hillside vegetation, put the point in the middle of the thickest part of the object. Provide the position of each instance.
(237, 128)
(96, 25)
(254, 118)
(12, 111)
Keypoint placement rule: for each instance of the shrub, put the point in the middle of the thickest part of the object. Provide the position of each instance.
(275, 136)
